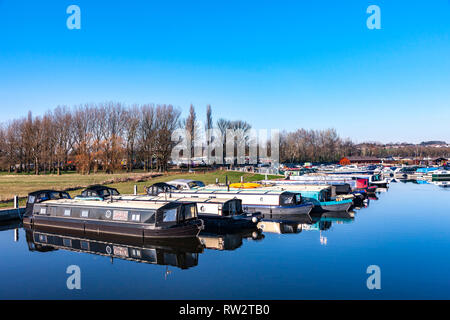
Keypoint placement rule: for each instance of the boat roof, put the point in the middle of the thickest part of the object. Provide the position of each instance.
(106, 204)
(176, 197)
(301, 187)
(181, 180)
(259, 191)
(45, 191)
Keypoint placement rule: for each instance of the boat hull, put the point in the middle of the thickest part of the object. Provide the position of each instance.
(228, 224)
(333, 206)
(280, 210)
(94, 227)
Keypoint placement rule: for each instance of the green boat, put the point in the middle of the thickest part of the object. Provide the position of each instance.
(440, 175)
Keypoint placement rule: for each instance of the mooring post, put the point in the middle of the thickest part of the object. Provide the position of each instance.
(16, 202)
(16, 235)
(217, 180)
(135, 190)
(265, 176)
(242, 179)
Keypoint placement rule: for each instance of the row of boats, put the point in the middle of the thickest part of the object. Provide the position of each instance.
(173, 223)
(181, 253)
(183, 208)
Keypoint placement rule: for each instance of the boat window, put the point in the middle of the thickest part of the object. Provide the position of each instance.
(231, 208)
(170, 215)
(190, 211)
(31, 199)
(191, 185)
(84, 245)
(42, 197)
(199, 184)
(67, 242)
(287, 199)
(150, 215)
(239, 206)
(103, 193)
(298, 198)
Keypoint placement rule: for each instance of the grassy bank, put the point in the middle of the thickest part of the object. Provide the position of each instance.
(21, 185)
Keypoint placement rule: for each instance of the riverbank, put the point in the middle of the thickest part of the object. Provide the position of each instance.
(21, 185)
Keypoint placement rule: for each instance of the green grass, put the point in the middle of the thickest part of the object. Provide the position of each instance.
(21, 185)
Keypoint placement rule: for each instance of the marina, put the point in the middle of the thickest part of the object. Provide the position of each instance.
(388, 232)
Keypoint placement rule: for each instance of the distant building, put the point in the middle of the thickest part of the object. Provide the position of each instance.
(359, 160)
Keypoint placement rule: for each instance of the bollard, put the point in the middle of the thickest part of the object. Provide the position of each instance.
(16, 235)
(217, 180)
(265, 176)
(16, 202)
(242, 179)
(135, 190)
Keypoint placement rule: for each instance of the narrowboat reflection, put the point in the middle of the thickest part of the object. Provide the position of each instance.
(182, 254)
(228, 241)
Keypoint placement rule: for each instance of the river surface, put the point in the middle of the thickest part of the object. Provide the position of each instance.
(405, 233)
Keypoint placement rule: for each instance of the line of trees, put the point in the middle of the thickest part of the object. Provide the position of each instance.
(91, 137)
(111, 136)
(403, 150)
(314, 146)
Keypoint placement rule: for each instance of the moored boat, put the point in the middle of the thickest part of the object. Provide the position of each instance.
(218, 214)
(440, 175)
(130, 218)
(267, 202)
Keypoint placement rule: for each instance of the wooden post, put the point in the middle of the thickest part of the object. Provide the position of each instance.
(135, 190)
(217, 180)
(242, 179)
(16, 202)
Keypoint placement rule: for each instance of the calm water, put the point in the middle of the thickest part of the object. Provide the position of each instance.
(406, 232)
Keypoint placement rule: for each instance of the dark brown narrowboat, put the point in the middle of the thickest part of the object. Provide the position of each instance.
(107, 217)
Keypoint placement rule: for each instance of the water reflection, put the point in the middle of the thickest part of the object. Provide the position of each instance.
(391, 227)
(11, 224)
(228, 241)
(177, 253)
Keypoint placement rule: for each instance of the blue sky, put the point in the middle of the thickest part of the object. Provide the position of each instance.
(275, 64)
